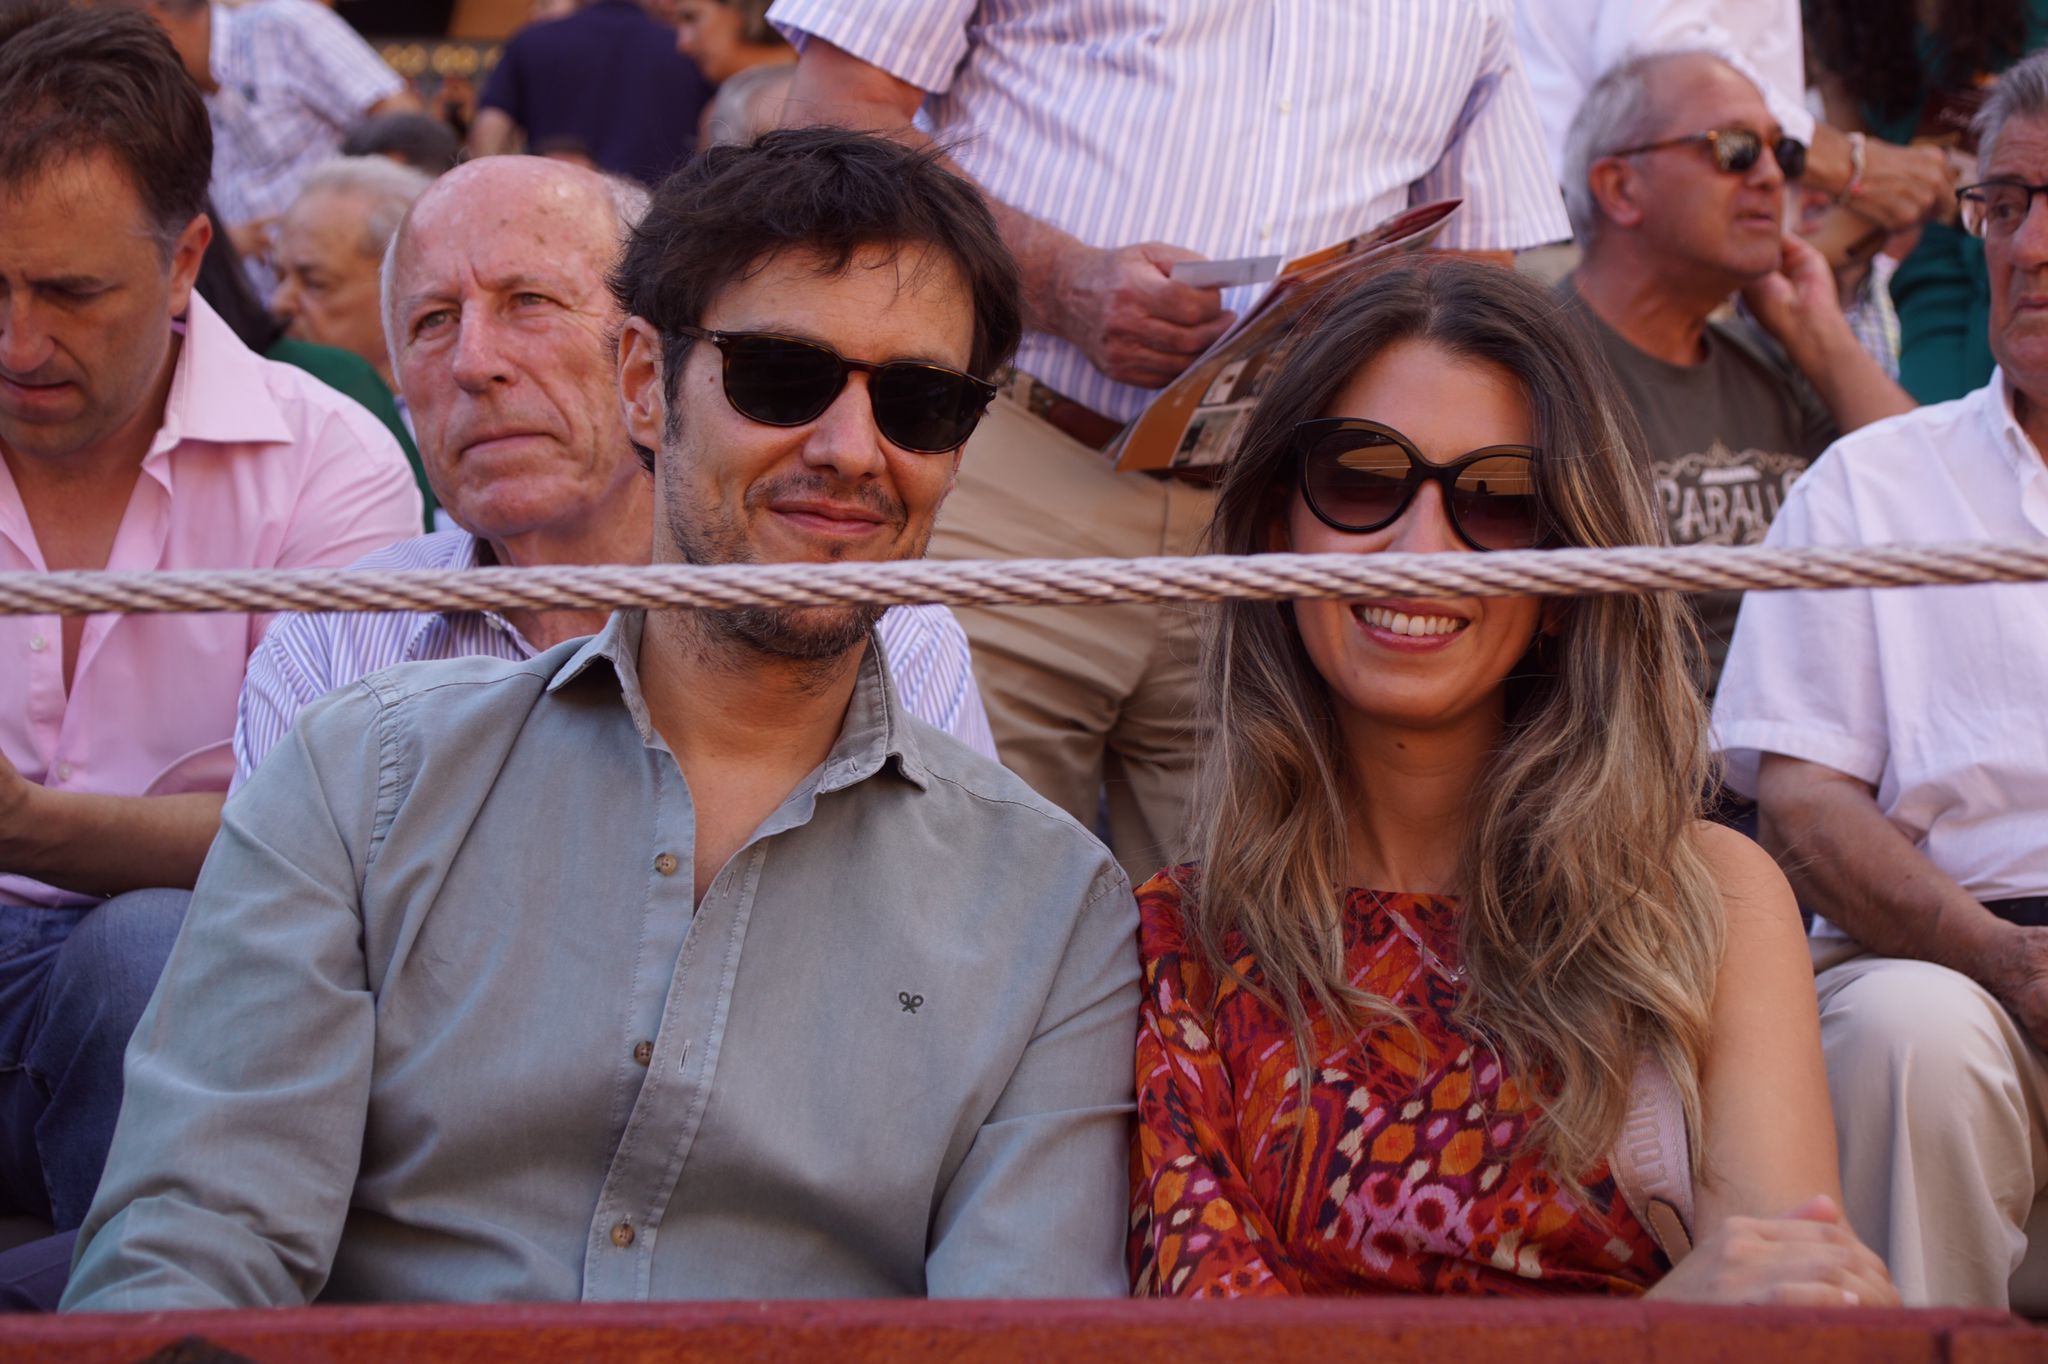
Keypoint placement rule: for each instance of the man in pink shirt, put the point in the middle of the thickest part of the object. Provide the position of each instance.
(136, 433)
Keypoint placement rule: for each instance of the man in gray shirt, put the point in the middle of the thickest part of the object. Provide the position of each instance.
(1676, 177)
(676, 962)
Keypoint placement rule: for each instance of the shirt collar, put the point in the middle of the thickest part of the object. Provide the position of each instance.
(1995, 402)
(876, 728)
(219, 391)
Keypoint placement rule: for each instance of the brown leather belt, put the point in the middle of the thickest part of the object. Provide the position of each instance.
(1065, 415)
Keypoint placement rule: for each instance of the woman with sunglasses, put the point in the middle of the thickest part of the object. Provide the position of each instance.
(1456, 916)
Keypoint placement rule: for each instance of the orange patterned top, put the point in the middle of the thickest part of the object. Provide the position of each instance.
(1405, 1177)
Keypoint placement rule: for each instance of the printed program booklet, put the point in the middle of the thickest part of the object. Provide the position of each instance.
(1194, 423)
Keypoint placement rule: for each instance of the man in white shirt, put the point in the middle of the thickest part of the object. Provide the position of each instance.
(1896, 744)
(1114, 140)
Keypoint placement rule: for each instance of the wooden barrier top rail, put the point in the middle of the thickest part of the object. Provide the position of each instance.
(1313, 1331)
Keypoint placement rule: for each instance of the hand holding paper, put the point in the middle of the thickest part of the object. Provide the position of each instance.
(1130, 317)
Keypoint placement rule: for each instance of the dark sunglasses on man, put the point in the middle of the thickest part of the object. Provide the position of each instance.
(1359, 476)
(1735, 150)
(788, 381)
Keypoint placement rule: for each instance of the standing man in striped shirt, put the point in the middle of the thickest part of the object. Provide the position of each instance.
(500, 324)
(1115, 138)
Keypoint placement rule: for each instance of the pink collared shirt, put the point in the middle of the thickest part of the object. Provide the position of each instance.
(257, 465)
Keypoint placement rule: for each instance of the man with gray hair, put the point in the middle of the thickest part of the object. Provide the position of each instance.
(329, 246)
(1894, 742)
(1675, 182)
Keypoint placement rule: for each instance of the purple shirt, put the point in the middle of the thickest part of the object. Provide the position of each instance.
(608, 77)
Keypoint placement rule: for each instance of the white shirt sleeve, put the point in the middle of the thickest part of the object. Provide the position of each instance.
(286, 674)
(1802, 677)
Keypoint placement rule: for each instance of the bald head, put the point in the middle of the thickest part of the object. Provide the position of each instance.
(500, 319)
(510, 204)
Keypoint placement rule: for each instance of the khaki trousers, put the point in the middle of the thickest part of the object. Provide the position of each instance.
(1086, 702)
(1941, 1115)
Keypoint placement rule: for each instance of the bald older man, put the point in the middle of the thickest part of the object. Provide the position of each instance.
(499, 323)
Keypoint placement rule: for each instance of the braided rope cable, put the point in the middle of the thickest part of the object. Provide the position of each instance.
(1029, 582)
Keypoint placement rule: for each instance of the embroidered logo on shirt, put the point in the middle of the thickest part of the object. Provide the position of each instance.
(909, 1001)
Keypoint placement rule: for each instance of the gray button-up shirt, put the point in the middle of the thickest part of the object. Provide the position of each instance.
(442, 1023)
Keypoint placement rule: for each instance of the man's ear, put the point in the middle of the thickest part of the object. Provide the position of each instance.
(643, 402)
(186, 254)
(1617, 189)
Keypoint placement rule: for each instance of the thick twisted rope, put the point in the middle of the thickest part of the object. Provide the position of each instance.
(1029, 582)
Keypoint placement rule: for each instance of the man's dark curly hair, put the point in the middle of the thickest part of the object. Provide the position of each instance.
(827, 191)
(77, 82)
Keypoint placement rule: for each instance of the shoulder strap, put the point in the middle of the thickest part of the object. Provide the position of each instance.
(1652, 1163)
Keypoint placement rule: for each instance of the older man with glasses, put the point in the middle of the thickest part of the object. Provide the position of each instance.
(1676, 176)
(1896, 745)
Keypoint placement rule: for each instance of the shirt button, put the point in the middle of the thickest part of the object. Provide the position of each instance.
(622, 1235)
(37, 644)
(666, 863)
(63, 771)
(1286, 106)
(643, 1052)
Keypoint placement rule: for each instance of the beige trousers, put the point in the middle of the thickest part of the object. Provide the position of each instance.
(1086, 702)
(1941, 1115)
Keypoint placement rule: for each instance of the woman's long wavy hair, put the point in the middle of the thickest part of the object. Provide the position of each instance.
(1589, 926)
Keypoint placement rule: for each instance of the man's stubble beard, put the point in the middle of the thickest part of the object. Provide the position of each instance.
(818, 636)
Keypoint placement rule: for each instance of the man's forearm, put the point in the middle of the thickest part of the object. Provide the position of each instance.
(104, 845)
(1852, 866)
(1849, 380)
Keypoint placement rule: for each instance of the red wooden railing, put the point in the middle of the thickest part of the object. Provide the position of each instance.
(1313, 1332)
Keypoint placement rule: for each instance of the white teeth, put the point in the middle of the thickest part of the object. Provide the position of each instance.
(1401, 623)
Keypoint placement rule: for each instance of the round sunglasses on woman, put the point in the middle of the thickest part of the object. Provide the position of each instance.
(1359, 476)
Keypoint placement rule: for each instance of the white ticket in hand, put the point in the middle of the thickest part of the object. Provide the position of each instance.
(1225, 274)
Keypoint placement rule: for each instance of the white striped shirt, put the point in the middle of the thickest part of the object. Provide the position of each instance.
(293, 78)
(1227, 127)
(305, 656)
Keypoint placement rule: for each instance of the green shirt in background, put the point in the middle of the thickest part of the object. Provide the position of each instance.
(354, 377)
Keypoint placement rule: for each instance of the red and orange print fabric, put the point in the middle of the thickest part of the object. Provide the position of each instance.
(1403, 1174)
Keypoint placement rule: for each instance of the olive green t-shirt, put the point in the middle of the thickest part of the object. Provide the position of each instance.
(1726, 439)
